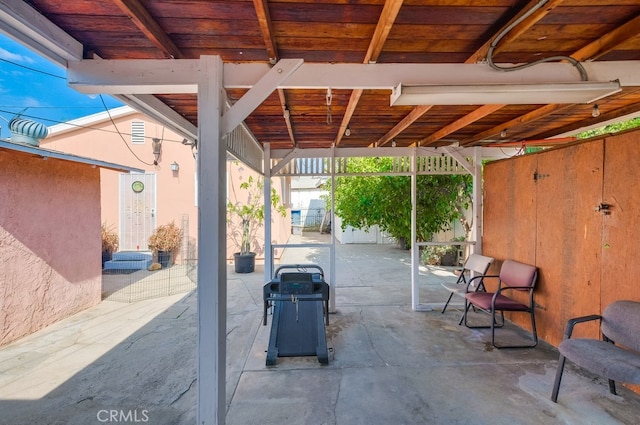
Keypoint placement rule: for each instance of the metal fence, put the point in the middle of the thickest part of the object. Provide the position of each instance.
(130, 285)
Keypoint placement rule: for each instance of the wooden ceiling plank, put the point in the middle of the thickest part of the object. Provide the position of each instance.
(609, 41)
(591, 51)
(523, 119)
(476, 115)
(264, 19)
(575, 126)
(412, 117)
(151, 29)
(385, 23)
(481, 54)
(476, 57)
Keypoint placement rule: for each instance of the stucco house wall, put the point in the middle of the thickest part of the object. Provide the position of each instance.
(108, 137)
(97, 136)
(49, 241)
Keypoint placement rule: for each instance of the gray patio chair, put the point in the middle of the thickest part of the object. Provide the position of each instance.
(470, 278)
(620, 322)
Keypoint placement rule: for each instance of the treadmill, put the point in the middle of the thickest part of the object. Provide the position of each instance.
(299, 296)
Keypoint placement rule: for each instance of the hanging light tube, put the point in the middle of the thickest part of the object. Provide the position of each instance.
(508, 94)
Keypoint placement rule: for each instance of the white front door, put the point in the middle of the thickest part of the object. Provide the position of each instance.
(137, 210)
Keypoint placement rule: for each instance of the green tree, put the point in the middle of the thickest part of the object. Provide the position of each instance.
(365, 201)
(611, 128)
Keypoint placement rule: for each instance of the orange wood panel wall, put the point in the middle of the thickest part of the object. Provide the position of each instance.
(541, 209)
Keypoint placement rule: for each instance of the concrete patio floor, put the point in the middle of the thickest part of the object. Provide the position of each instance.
(136, 362)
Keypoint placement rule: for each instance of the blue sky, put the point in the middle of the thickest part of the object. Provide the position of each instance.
(47, 98)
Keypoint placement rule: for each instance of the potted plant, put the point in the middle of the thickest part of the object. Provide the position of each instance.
(164, 240)
(249, 216)
(110, 242)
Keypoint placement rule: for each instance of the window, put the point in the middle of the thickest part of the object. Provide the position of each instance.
(137, 132)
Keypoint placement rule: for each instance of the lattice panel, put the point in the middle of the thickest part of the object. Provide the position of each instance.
(436, 164)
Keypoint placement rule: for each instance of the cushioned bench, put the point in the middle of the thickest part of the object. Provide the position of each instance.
(620, 324)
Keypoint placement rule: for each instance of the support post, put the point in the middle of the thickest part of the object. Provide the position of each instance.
(332, 249)
(212, 237)
(268, 252)
(476, 232)
(415, 249)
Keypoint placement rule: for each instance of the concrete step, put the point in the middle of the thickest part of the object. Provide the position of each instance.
(129, 260)
(132, 256)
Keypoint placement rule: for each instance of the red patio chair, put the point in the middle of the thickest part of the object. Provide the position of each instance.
(514, 276)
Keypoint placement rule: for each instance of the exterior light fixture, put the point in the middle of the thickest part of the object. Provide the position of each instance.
(175, 166)
(503, 133)
(347, 132)
(508, 94)
(595, 112)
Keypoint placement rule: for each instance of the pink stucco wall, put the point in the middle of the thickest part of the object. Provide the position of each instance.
(176, 192)
(101, 140)
(49, 242)
(280, 226)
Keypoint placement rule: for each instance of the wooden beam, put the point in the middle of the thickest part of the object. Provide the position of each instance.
(591, 51)
(264, 19)
(573, 127)
(516, 31)
(476, 115)
(151, 29)
(286, 113)
(385, 23)
(478, 56)
(412, 117)
(609, 41)
(523, 119)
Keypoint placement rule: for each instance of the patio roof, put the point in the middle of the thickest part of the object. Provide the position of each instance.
(464, 36)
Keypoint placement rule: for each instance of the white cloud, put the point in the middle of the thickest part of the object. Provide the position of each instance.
(30, 101)
(13, 57)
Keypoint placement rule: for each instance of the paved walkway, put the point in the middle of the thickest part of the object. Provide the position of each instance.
(136, 362)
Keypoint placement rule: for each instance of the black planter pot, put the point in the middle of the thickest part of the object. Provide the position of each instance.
(164, 258)
(244, 263)
(106, 256)
(449, 259)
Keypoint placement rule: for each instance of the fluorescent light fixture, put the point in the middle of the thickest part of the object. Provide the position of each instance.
(508, 94)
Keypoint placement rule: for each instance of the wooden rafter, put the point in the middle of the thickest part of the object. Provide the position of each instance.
(611, 115)
(264, 19)
(416, 113)
(516, 31)
(609, 41)
(474, 116)
(526, 118)
(477, 56)
(385, 23)
(151, 29)
(286, 114)
(591, 51)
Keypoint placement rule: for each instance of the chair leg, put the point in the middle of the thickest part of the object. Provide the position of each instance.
(612, 387)
(533, 332)
(533, 327)
(556, 383)
(447, 303)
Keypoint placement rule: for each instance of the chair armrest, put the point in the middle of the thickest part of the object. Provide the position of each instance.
(480, 276)
(470, 281)
(572, 322)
